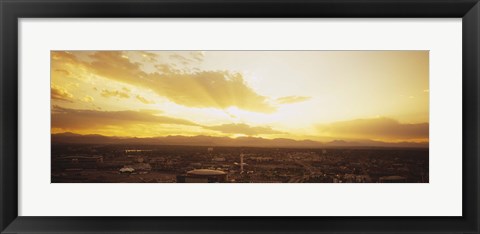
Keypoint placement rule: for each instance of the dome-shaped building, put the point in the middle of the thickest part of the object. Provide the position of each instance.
(205, 176)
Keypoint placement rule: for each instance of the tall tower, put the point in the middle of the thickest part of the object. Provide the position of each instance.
(241, 163)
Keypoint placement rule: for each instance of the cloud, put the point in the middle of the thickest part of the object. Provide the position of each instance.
(63, 56)
(65, 65)
(375, 128)
(114, 93)
(62, 72)
(88, 99)
(148, 56)
(61, 94)
(182, 59)
(74, 119)
(200, 89)
(211, 89)
(144, 100)
(82, 119)
(198, 55)
(188, 58)
(164, 68)
(243, 129)
(292, 99)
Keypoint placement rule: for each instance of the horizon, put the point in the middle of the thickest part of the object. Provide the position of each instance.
(296, 143)
(231, 137)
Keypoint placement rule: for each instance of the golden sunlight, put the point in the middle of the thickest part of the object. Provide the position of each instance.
(361, 96)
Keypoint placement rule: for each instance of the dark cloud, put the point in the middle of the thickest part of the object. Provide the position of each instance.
(72, 119)
(82, 119)
(376, 128)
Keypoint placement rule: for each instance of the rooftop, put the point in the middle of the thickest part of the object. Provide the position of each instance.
(205, 172)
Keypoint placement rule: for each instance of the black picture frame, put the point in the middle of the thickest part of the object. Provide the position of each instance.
(12, 10)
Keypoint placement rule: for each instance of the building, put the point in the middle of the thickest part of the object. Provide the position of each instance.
(218, 159)
(77, 162)
(195, 165)
(392, 179)
(203, 176)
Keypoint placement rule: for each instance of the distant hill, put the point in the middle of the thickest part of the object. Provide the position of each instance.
(73, 138)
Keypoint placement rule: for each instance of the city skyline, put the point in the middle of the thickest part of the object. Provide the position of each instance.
(300, 95)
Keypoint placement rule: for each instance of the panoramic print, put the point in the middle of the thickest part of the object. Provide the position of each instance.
(239, 116)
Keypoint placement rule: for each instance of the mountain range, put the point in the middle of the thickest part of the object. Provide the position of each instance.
(73, 138)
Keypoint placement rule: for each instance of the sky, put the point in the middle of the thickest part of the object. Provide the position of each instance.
(314, 95)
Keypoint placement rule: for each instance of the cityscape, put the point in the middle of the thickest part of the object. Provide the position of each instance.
(239, 116)
(111, 163)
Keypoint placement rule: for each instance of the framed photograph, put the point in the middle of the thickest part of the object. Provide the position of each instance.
(239, 116)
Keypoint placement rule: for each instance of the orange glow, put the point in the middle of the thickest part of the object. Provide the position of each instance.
(314, 95)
